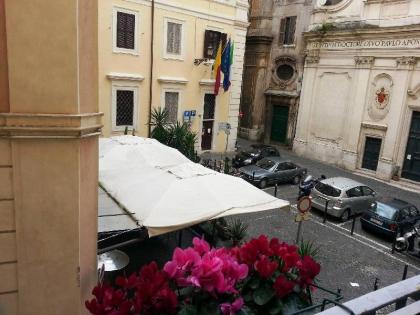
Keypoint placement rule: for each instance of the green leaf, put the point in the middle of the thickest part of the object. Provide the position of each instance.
(254, 283)
(245, 311)
(247, 296)
(188, 310)
(276, 306)
(263, 295)
(292, 304)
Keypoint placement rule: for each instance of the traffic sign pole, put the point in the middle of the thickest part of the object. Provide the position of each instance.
(304, 205)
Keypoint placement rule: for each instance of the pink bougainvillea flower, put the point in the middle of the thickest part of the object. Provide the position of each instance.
(283, 286)
(265, 267)
(200, 246)
(231, 309)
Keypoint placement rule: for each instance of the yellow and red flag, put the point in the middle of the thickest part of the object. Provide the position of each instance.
(217, 69)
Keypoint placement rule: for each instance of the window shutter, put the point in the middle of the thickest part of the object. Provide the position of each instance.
(207, 41)
(224, 40)
(282, 31)
(126, 26)
(291, 31)
(130, 30)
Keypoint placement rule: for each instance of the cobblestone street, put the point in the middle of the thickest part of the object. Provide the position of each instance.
(351, 263)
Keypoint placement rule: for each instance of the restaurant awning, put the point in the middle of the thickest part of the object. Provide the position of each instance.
(164, 191)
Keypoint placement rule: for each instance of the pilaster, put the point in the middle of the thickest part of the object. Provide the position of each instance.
(49, 157)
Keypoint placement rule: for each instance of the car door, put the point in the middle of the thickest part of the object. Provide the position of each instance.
(369, 196)
(291, 171)
(355, 199)
(281, 172)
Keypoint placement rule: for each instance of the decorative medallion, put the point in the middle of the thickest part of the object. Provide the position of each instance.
(382, 98)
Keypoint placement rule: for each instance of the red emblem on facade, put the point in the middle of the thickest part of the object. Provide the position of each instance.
(382, 97)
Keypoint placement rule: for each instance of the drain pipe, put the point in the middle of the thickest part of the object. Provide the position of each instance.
(152, 34)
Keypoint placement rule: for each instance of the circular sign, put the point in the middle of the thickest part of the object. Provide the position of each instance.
(304, 204)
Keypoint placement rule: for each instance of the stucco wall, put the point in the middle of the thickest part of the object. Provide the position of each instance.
(197, 16)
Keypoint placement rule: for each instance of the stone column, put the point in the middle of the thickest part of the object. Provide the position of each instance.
(49, 128)
(401, 79)
(239, 37)
(304, 115)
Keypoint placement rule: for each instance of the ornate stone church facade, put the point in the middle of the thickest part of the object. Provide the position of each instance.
(273, 69)
(360, 103)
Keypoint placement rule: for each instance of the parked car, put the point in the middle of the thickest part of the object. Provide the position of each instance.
(387, 217)
(345, 197)
(253, 154)
(272, 170)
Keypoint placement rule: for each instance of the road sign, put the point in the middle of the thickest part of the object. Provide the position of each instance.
(304, 204)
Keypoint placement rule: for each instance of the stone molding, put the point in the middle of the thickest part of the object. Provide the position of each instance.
(364, 62)
(370, 125)
(413, 92)
(125, 76)
(50, 126)
(173, 80)
(311, 60)
(406, 62)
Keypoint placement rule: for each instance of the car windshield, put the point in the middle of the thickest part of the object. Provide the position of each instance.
(328, 190)
(385, 210)
(266, 164)
(251, 150)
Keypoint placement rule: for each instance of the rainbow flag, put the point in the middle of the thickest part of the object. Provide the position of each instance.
(216, 68)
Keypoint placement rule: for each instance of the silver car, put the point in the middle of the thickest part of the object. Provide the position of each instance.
(345, 197)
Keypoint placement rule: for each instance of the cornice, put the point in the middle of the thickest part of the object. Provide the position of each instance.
(350, 33)
(50, 126)
(172, 80)
(125, 76)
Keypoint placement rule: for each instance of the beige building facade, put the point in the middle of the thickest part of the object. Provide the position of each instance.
(49, 129)
(159, 54)
(360, 104)
(273, 70)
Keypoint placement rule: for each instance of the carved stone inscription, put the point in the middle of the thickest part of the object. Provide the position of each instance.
(367, 43)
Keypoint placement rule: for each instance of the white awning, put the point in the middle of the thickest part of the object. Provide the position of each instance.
(165, 191)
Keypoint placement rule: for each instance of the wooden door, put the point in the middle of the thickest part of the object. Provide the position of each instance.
(279, 123)
(208, 122)
(411, 168)
(371, 153)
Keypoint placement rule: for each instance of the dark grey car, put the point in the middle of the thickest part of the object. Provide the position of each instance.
(272, 170)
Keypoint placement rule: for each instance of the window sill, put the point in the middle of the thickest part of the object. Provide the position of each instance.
(173, 57)
(289, 45)
(117, 50)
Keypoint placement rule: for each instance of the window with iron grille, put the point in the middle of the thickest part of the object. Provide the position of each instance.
(173, 38)
(211, 43)
(209, 106)
(287, 30)
(171, 105)
(124, 108)
(125, 30)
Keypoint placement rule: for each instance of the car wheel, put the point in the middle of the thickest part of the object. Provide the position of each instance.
(345, 216)
(296, 180)
(263, 183)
